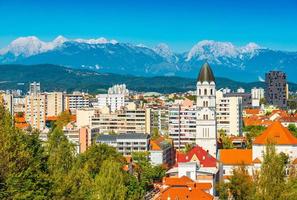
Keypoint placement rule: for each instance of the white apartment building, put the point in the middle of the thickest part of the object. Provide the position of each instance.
(240, 90)
(35, 110)
(257, 95)
(113, 101)
(229, 114)
(127, 120)
(34, 88)
(54, 103)
(182, 123)
(76, 100)
(119, 89)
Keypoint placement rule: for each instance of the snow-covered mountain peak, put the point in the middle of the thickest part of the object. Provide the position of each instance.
(25, 46)
(212, 50)
(100, 40)
(60, 40)
(163, 50)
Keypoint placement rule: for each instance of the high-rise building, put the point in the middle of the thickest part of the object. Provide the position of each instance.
(257, 95)
(113, 101)
(182, 123)
(130, 119)
(54, 103)
(229, 114)
(34, 88)
(76, 100)
(276, 88)
(35, 110)
(206, 135)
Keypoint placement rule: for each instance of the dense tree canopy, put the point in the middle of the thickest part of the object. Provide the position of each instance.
(32, 169)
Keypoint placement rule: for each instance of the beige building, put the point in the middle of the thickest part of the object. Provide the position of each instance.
(76, 100)
(35, 111)
(128, 120)
(7, 101)
(54, 103)
(229, 114)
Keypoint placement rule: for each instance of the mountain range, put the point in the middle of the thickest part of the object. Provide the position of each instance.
(244, 63)
(59, 78)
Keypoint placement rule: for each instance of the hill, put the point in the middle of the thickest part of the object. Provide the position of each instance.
(54, 77)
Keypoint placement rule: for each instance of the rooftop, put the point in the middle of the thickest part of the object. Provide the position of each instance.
(236, 156)
(277, 134)
(205, 74)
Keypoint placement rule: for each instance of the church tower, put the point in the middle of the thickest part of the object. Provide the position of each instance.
(206, 133)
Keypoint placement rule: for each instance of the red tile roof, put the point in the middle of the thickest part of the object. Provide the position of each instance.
(197, 154)
(236, 156)
(277, 134)
(184, 188)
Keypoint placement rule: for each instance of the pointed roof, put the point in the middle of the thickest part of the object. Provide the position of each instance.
(278, 134)
(197, 153)
(205, 74)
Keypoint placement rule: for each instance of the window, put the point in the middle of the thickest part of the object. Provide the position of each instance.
(205, 91)
(211, 92)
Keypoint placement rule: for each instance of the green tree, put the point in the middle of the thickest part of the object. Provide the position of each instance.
(293, 129)
(251, 132)
(61, 157)
(156, 133)
(226, 141)
(271, 180)
(239, 187)
(110, 182)
(23, 170)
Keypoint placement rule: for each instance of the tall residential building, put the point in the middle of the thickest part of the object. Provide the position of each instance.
(246, 98)
(119, 89)
(76, 100)
(206, 135)
(127, 120)
(257, 95)
(7, 101)
(229, 114)
(159, 118)
(182, 123)
(276, 88)
(113, 101)
(54, 103)
(34, 88)
(35, 111)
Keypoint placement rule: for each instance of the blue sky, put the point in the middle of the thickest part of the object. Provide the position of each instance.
(179, 23)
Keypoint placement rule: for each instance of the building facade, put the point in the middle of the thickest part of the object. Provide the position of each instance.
(206, 135)
(229, 114)
(276, 90)
(182, 123)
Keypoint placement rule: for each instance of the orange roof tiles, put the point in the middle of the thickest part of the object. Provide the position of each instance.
(278, 134)
(22, 125)
(184, 188)
(252, 111)
(236, 156)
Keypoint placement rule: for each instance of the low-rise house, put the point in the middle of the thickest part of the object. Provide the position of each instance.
(161, 151)
(198, 165)
(184, 188)
(276, 133)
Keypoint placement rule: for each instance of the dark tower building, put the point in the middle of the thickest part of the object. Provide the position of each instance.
(276, 88)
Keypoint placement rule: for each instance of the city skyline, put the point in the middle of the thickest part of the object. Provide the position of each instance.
(179, 24)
